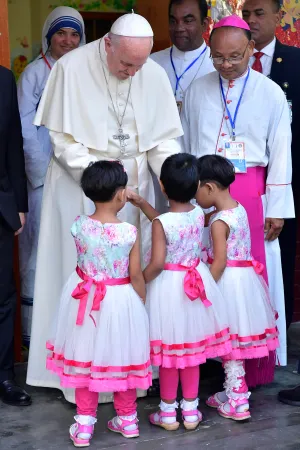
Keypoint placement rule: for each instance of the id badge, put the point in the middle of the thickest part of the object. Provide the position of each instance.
(235, 152)
(179, 106)
(290, 103)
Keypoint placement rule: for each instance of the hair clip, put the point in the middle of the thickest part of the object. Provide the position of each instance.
(121, 164)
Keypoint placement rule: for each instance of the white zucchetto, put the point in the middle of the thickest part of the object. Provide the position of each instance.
(132, 25)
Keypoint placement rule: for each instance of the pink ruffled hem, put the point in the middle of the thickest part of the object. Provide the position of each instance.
(89, 364)
(269, 333)
(100, 385)
(208, 342)
(259, 351)
(188, 360)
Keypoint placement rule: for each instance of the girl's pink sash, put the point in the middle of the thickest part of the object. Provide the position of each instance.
(81, 292)
(258, 267)
(193, 283)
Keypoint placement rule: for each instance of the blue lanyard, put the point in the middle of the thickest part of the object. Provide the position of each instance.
(233, 121)
(186, 70)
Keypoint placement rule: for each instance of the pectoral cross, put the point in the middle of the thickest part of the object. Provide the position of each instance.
(121, 137)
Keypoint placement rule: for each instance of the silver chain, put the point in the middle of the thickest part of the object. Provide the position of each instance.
(120, 122)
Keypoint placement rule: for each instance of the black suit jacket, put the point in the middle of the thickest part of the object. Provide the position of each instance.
(286, 73)
(13, 185)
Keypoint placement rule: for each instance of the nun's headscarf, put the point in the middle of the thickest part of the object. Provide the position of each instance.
(62, 17)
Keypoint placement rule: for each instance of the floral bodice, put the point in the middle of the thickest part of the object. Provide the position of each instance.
(103, 249)
(239, 239)
(183, 235)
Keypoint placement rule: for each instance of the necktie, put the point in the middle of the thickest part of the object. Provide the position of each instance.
(257, 63)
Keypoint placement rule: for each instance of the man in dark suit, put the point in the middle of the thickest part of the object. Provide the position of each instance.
(282, 64)
(13, 205)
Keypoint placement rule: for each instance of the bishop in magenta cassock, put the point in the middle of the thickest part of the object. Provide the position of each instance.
(237, 110)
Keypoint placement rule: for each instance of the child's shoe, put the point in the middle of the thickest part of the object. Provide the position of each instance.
(125, 425)
(235, 409)
(190, 414)
(216, 400)
(236, 389)
(165, 417)
(82, 431)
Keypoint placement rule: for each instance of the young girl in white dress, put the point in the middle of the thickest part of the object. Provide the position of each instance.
(188, 321)
(101, 337)
(252, 319)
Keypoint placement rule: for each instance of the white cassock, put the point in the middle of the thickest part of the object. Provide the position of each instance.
(77, 110)
(263, 125)
(200, 63)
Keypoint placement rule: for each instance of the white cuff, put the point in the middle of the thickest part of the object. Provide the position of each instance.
(280, 202)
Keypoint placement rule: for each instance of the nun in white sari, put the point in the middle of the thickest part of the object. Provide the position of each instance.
(62, 32)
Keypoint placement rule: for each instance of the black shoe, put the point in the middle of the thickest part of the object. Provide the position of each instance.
(12, 394)
(290, 396)
(154, 390)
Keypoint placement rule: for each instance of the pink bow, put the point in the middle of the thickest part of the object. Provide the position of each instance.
(194, 287)
(258, 267)
(193, 283)
(81, 292)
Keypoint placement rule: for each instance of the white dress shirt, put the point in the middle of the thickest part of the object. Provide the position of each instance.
(267, 58)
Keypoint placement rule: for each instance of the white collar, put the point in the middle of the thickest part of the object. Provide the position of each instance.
(269, 49)
(236, 80)
(188, 56)
(103, 54)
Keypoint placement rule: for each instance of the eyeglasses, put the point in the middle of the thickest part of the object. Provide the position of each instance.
(220, 60)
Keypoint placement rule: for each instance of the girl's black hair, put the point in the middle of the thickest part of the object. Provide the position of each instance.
(179, 176)
(216, 169)
(101, 180)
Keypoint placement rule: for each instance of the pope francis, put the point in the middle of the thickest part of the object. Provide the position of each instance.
(106, 100)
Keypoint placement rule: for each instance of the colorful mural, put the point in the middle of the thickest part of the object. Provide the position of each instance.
(19, 58)
(100, 5)
(289, 30)
(18, 65)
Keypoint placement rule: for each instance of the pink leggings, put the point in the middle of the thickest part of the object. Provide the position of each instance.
(169, 380)
(87, 402)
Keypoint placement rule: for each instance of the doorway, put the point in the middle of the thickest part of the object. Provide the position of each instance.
(98, 24)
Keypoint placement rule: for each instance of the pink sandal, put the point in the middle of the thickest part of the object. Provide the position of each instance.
(213, 401)
(232, 413)
(159, 423)
(77, 429)
(191, 425)
(117, 425)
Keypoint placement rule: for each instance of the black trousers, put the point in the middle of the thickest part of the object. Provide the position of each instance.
(8, 301)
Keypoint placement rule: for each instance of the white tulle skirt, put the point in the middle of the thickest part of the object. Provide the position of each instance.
(252, 318)
(184, 333)
(110, 351)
